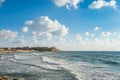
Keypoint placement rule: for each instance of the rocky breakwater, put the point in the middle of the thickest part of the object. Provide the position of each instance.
(7, 78)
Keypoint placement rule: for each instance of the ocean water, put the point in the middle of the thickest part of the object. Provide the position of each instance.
(71, 65)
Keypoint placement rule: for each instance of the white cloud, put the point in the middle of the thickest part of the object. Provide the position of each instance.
(102, 41)
(34, 34)
(99, 44)
(67, 3)
(8, 35)
(61, 40)
(102, 3)
(25, 29)
(1, 2)
(78, 38)
(45, 25)
(41, 35)
(87, 33)
(92, 35)
(19, 42)
(35, 41)
(29, 22)
(105, 34)
(96, 28)
(62, 31)
(44, 35)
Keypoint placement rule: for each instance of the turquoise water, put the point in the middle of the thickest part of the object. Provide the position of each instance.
(71, 65)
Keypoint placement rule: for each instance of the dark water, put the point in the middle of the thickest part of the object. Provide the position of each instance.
(71, 65)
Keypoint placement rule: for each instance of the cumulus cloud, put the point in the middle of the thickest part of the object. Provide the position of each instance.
(102, 3)
(62, 31)
(34, 34)
(92, 35)
(105, 34)
(1, 2)
(46, 27)
(25, 29)
(35, 41)
(30, 22)
(67, 3)
(78, 38)
(96, 28)
(8, 35)
(87, 33)
(44, 35)
(61, 40)
(41, 35)
(95, 43)
(19, 41)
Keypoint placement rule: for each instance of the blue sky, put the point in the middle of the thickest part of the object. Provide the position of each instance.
(84, 24)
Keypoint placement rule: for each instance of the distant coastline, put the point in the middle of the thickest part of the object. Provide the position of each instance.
(27, 49)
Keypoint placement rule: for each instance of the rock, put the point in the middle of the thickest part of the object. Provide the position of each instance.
(15, 79)
(1, 78)
(4, 78)
(7, 78)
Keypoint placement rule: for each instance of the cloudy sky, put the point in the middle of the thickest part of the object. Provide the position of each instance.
(66, 24)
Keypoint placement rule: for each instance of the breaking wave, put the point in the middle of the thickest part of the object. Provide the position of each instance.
(81, 70)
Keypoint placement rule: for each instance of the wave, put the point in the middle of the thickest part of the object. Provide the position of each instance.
(2, 58)
(49, 60)
(81, 70)
(45, 67)
(53, 64)
(66, 65)
(45, 63)
(111, 62)
(36, 61)
(24, 56)
(84, 70)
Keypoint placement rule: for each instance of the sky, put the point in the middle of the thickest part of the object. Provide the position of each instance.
(66, 24)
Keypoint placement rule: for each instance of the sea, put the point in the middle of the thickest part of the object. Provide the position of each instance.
(63, 65)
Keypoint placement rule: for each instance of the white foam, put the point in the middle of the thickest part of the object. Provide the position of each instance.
(36, 61)
(2, 58)
(24, 56)
(66, 65)
(35, 53)
(49, 60)
(82, 70)
(73, 67)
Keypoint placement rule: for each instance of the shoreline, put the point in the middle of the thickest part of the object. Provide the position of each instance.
(21, 51)
(28, 49)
